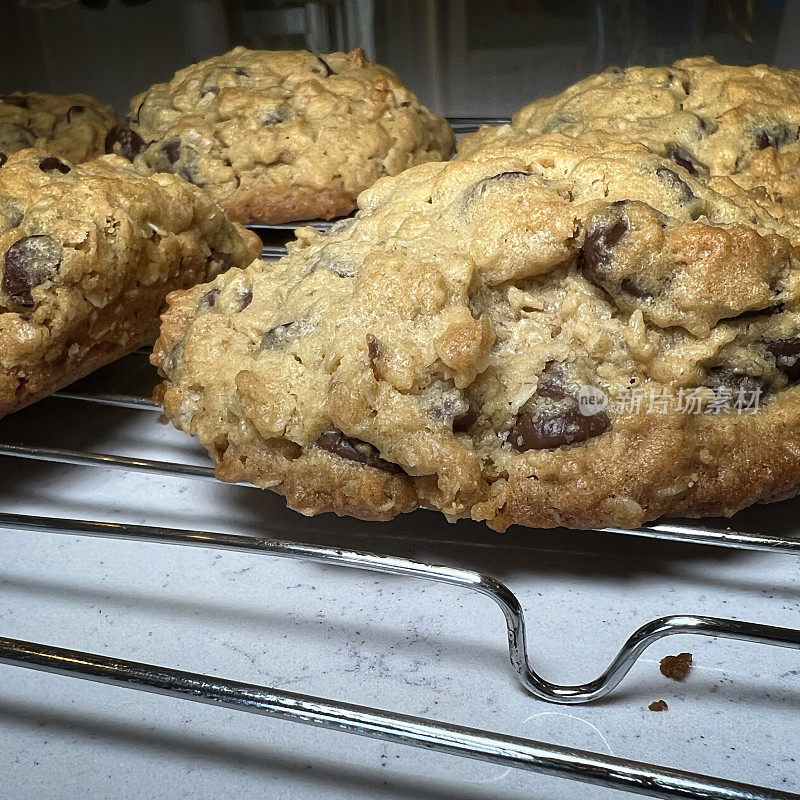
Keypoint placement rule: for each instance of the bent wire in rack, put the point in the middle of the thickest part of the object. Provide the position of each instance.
(580, 765)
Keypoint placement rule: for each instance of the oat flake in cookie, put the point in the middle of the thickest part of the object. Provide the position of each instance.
(70, 126)
(709, 119)
(275, 136)
(88, 254)
(476, 340)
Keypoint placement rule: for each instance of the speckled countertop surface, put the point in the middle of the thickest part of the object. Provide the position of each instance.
(377, 640)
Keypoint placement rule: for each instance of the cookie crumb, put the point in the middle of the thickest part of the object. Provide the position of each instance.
(658, 705)
(676, 667)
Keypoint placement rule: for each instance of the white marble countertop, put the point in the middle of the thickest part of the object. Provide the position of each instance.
(377, 640)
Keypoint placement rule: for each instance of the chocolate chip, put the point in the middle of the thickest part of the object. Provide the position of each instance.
(130, 143)
(29, 262)
(374, 348)
(74, 111)
(632, 287)
(595, 255)
(787, 356)
(334, 441)
(14, 100)
(785, 347)
(3, 159)
(552, 382)
(673, 180)
(775, 137)
(172, 150)
(245, 299)
(209, 299)
(219, 261)
(276, 337)
(542, 431)
(53, 164)
(326, 66)
(735, 380)
(463, 422)
(683, 159)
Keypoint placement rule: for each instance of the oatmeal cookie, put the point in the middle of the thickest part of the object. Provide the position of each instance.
(69, 126)
(87, 255)
(476, 338)
(710, 119)
(275, 136)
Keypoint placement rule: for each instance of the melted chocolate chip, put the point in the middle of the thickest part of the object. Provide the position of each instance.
(29, 262)
(209, 299)
(172, 150)
(683, 159)
(595, 256)
(3, 159)
(75, 111)
(130, 143)
(14, 100)
(241, 71)
(245, 299)
(374, 348)
(674, 180)
(541, 431)
(334, 441)
(53, 164)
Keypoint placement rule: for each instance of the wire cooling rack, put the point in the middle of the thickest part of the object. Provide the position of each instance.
(536, 756)
(417, 731)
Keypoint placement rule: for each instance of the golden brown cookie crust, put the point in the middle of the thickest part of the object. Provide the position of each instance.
(275, 136)
(431, 352)
(87, 256)
(742, 122)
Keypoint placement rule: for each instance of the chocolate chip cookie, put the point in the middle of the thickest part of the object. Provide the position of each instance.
(553, 333)
(275, 136)
(87, 255)
(709, 119)
(70, 126)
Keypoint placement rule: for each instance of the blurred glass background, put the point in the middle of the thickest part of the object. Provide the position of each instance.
(462, 57)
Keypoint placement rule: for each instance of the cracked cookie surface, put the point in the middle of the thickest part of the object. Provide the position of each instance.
(275, 136)
(709, 119)
(436, 350)
(70, 126)
(88, 254)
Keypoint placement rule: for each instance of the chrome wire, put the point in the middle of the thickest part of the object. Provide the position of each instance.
(510, 751)
(470, 124)
(504, 598)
